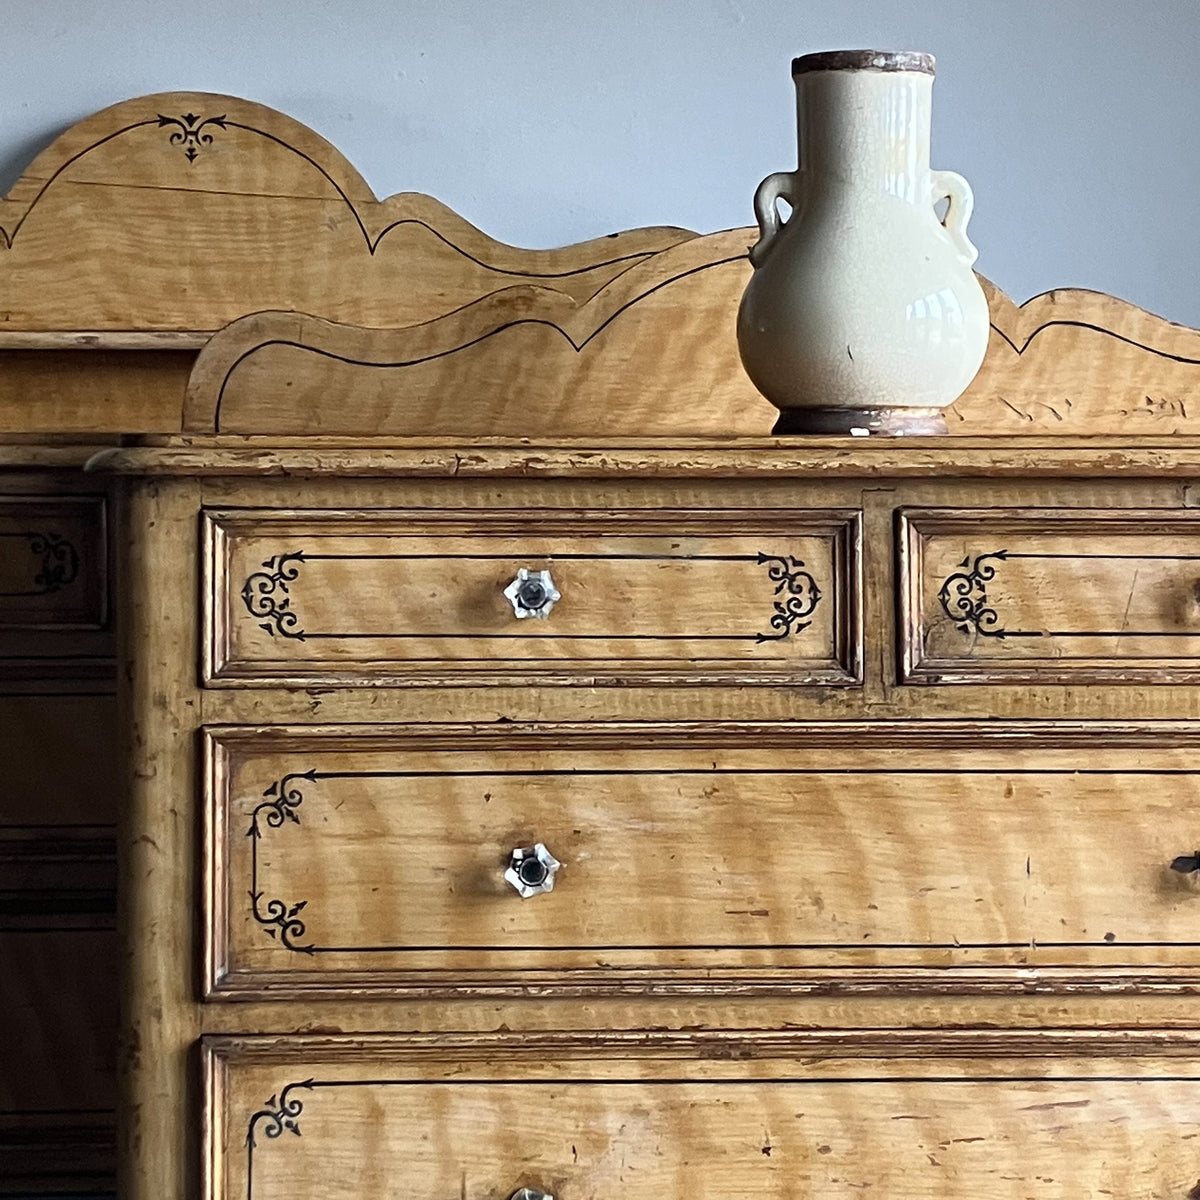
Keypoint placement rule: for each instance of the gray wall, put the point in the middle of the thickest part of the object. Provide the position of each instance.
(544, 123)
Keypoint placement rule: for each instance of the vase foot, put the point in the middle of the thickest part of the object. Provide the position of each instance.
(862, 422)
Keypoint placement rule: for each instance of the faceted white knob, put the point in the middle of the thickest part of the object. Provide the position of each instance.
(532, 593)
(531, 870)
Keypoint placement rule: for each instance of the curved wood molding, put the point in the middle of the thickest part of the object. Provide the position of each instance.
(653, 353)
(162, 219)
(182, 211)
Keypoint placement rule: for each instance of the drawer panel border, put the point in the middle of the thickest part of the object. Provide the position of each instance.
(798, 970)
(915, 667)
(842, 525)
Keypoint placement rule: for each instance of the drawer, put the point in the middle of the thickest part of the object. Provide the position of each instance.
(54, 621)
(429, 597)
(646, 1116)
(1049, 596)
(351, 860)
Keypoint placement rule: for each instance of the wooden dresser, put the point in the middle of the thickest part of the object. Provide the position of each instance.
(538, 783)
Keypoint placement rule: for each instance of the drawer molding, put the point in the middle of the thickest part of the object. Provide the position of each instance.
(264, 1089)
(1154, 954)
(1078, 570)
(671, 596)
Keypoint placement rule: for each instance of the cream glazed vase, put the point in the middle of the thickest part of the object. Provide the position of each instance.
(863, 314)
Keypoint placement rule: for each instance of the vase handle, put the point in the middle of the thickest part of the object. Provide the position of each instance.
(780, 186)
(952, 186)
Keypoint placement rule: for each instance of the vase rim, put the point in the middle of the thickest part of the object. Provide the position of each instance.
(864, 60)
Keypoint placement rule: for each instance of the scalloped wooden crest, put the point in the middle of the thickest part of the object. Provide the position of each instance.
(180, 212)
(160, 220)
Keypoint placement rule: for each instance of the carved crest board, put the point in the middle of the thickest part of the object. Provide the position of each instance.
(895, 738)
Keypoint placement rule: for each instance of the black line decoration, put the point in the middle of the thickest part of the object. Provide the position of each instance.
(189, 132)
(283, 797)
(964, 599)
(58, 564)
(266, 595)
(281, 1112)
(800, 596)
(278, 918)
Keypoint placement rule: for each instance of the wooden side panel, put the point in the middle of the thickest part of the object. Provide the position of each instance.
(57, 1059)
(419, 597)
(1050, 595)
(374, 859)
(388, 1120)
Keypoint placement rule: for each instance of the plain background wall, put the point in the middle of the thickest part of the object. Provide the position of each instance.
(544, 123)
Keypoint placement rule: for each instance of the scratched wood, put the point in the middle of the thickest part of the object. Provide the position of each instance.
(782, 1121)
(653, 354)
(377, 857)
(1050, 594)
(421, 597)
(991, 862)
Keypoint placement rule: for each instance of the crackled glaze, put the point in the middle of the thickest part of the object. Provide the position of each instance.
(863, 312)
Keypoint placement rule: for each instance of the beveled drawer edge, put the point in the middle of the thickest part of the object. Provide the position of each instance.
(693, 983)
(845, 526)
(707, 1044)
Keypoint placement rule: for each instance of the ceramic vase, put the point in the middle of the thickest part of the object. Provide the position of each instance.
(863, 314)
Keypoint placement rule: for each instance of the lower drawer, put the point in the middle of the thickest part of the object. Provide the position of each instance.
(658, 1117)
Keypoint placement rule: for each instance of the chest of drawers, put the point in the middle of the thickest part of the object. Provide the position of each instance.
(828, 830)
(536, 783)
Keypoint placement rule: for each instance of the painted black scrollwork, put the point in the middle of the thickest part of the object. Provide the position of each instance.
(57, 566)
(280, 1114)
(189, 132)
(800, 596)
(963, 596)
(278, 918)
(266, 595)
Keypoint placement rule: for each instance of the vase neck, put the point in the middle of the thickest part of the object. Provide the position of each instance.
(867, 129)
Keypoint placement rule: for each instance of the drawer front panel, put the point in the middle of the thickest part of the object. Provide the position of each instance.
(994, 595)
(381, 1118)
(54, 622)
(395, 597)
(375, 859)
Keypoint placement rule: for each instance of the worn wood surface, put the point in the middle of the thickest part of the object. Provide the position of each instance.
(966, 914)
(654, 353)
(148, 227)
(58, 801)
(372, 858)
(703, 1119)
(408, 597)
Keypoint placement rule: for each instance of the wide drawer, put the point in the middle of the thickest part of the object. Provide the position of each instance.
(1049, 596)
(360, 859)
(752, 1115)
(388, 596)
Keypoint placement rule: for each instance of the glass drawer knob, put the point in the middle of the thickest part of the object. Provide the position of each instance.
(531, 870)
(532, 593)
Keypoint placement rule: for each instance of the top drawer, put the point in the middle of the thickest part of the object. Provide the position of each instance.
(436, 597)
(1049, 596)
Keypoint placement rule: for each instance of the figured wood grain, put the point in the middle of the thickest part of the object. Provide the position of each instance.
(418, 597)
(654, 352)
(182, 211)
(1050, 594)
(370, 856)
(304, 1120)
